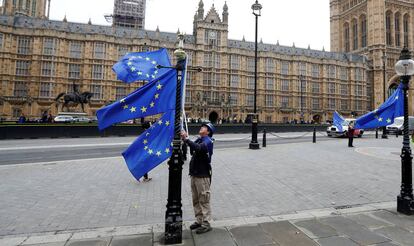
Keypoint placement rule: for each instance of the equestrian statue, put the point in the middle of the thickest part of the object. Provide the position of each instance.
(74, 99)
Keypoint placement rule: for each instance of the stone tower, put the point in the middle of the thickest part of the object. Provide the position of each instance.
(378, 29)
(31, 8)
(210, 29)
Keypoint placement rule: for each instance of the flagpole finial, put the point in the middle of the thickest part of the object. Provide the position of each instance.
(180, 53)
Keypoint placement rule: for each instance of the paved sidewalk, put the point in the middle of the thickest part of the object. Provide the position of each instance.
(373, 224)
(280, 179)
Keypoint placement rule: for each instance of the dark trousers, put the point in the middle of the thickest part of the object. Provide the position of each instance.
(146, 176)
(350, 141)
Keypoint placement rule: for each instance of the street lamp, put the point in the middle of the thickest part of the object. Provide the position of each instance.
(257, 11)
(405, 201)
(174, 213)
(384, 64)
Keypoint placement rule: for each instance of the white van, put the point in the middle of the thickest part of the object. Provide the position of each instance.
(398, 126)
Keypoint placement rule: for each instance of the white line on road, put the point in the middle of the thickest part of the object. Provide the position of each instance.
(64, 146)
(60, 162)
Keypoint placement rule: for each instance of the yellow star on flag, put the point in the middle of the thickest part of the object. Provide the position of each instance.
(133, 109)
(150, 151)
(154, 62)
(160, 122)
(152, 104)
(380, 119)
(144, 109)
(133, 69)
(147, 59)
(122, 100)
(159, 86)
(157, 96)
(145, 141)
(158, 153)
(146, 147)
(388, 120)
(147, 134)
(167, 123)
(167, 150)
(126, 106)
(129, 63)
(139, 73)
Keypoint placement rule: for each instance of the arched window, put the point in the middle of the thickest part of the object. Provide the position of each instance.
(397, 28)
(354, 34)
(346, 37)
(406, 22)
(388, 27)
(363, 31)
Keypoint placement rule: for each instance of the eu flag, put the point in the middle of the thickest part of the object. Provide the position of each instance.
(152, 147)
(338, 121)
(157, 96)
(142, 66)
(385, 114)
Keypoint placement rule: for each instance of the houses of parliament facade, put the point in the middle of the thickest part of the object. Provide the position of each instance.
(40, 58)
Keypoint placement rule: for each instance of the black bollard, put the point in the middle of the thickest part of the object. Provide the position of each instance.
(264, 138)
(376, 133)
(314, 134)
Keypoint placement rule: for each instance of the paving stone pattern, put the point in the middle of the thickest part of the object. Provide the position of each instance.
(280, 179)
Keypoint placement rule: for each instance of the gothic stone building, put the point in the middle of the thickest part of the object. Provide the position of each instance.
(41, 58)
(378, 29)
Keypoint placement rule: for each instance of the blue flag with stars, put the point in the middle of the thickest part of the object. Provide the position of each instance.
(385, 114)
(157, 96)
(338, 121)
(152, 147)
(142, 66)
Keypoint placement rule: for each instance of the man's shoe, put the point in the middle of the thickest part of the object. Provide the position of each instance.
(194, 226)
(203, 229)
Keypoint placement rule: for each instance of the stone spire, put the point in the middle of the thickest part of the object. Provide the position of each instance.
(90, 21)
(225, 13)
(65, 19)
(200, 10)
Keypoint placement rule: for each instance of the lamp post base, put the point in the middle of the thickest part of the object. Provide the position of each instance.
(405, 205)
(254, 146)
(384, 136)
(174, 214)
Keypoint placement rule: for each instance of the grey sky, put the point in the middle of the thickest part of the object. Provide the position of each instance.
(301, 21)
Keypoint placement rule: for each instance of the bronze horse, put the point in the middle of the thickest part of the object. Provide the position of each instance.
(75, 98)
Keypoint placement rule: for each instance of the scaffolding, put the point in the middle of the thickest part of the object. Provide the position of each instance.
(129, 13)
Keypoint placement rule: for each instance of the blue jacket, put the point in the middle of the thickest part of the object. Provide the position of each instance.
(202, 151)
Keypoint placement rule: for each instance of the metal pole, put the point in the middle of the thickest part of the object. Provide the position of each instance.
(405, 201)
(314, 135)
(384, 64)
(264, 138)
(254, 144)
(174, 213)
